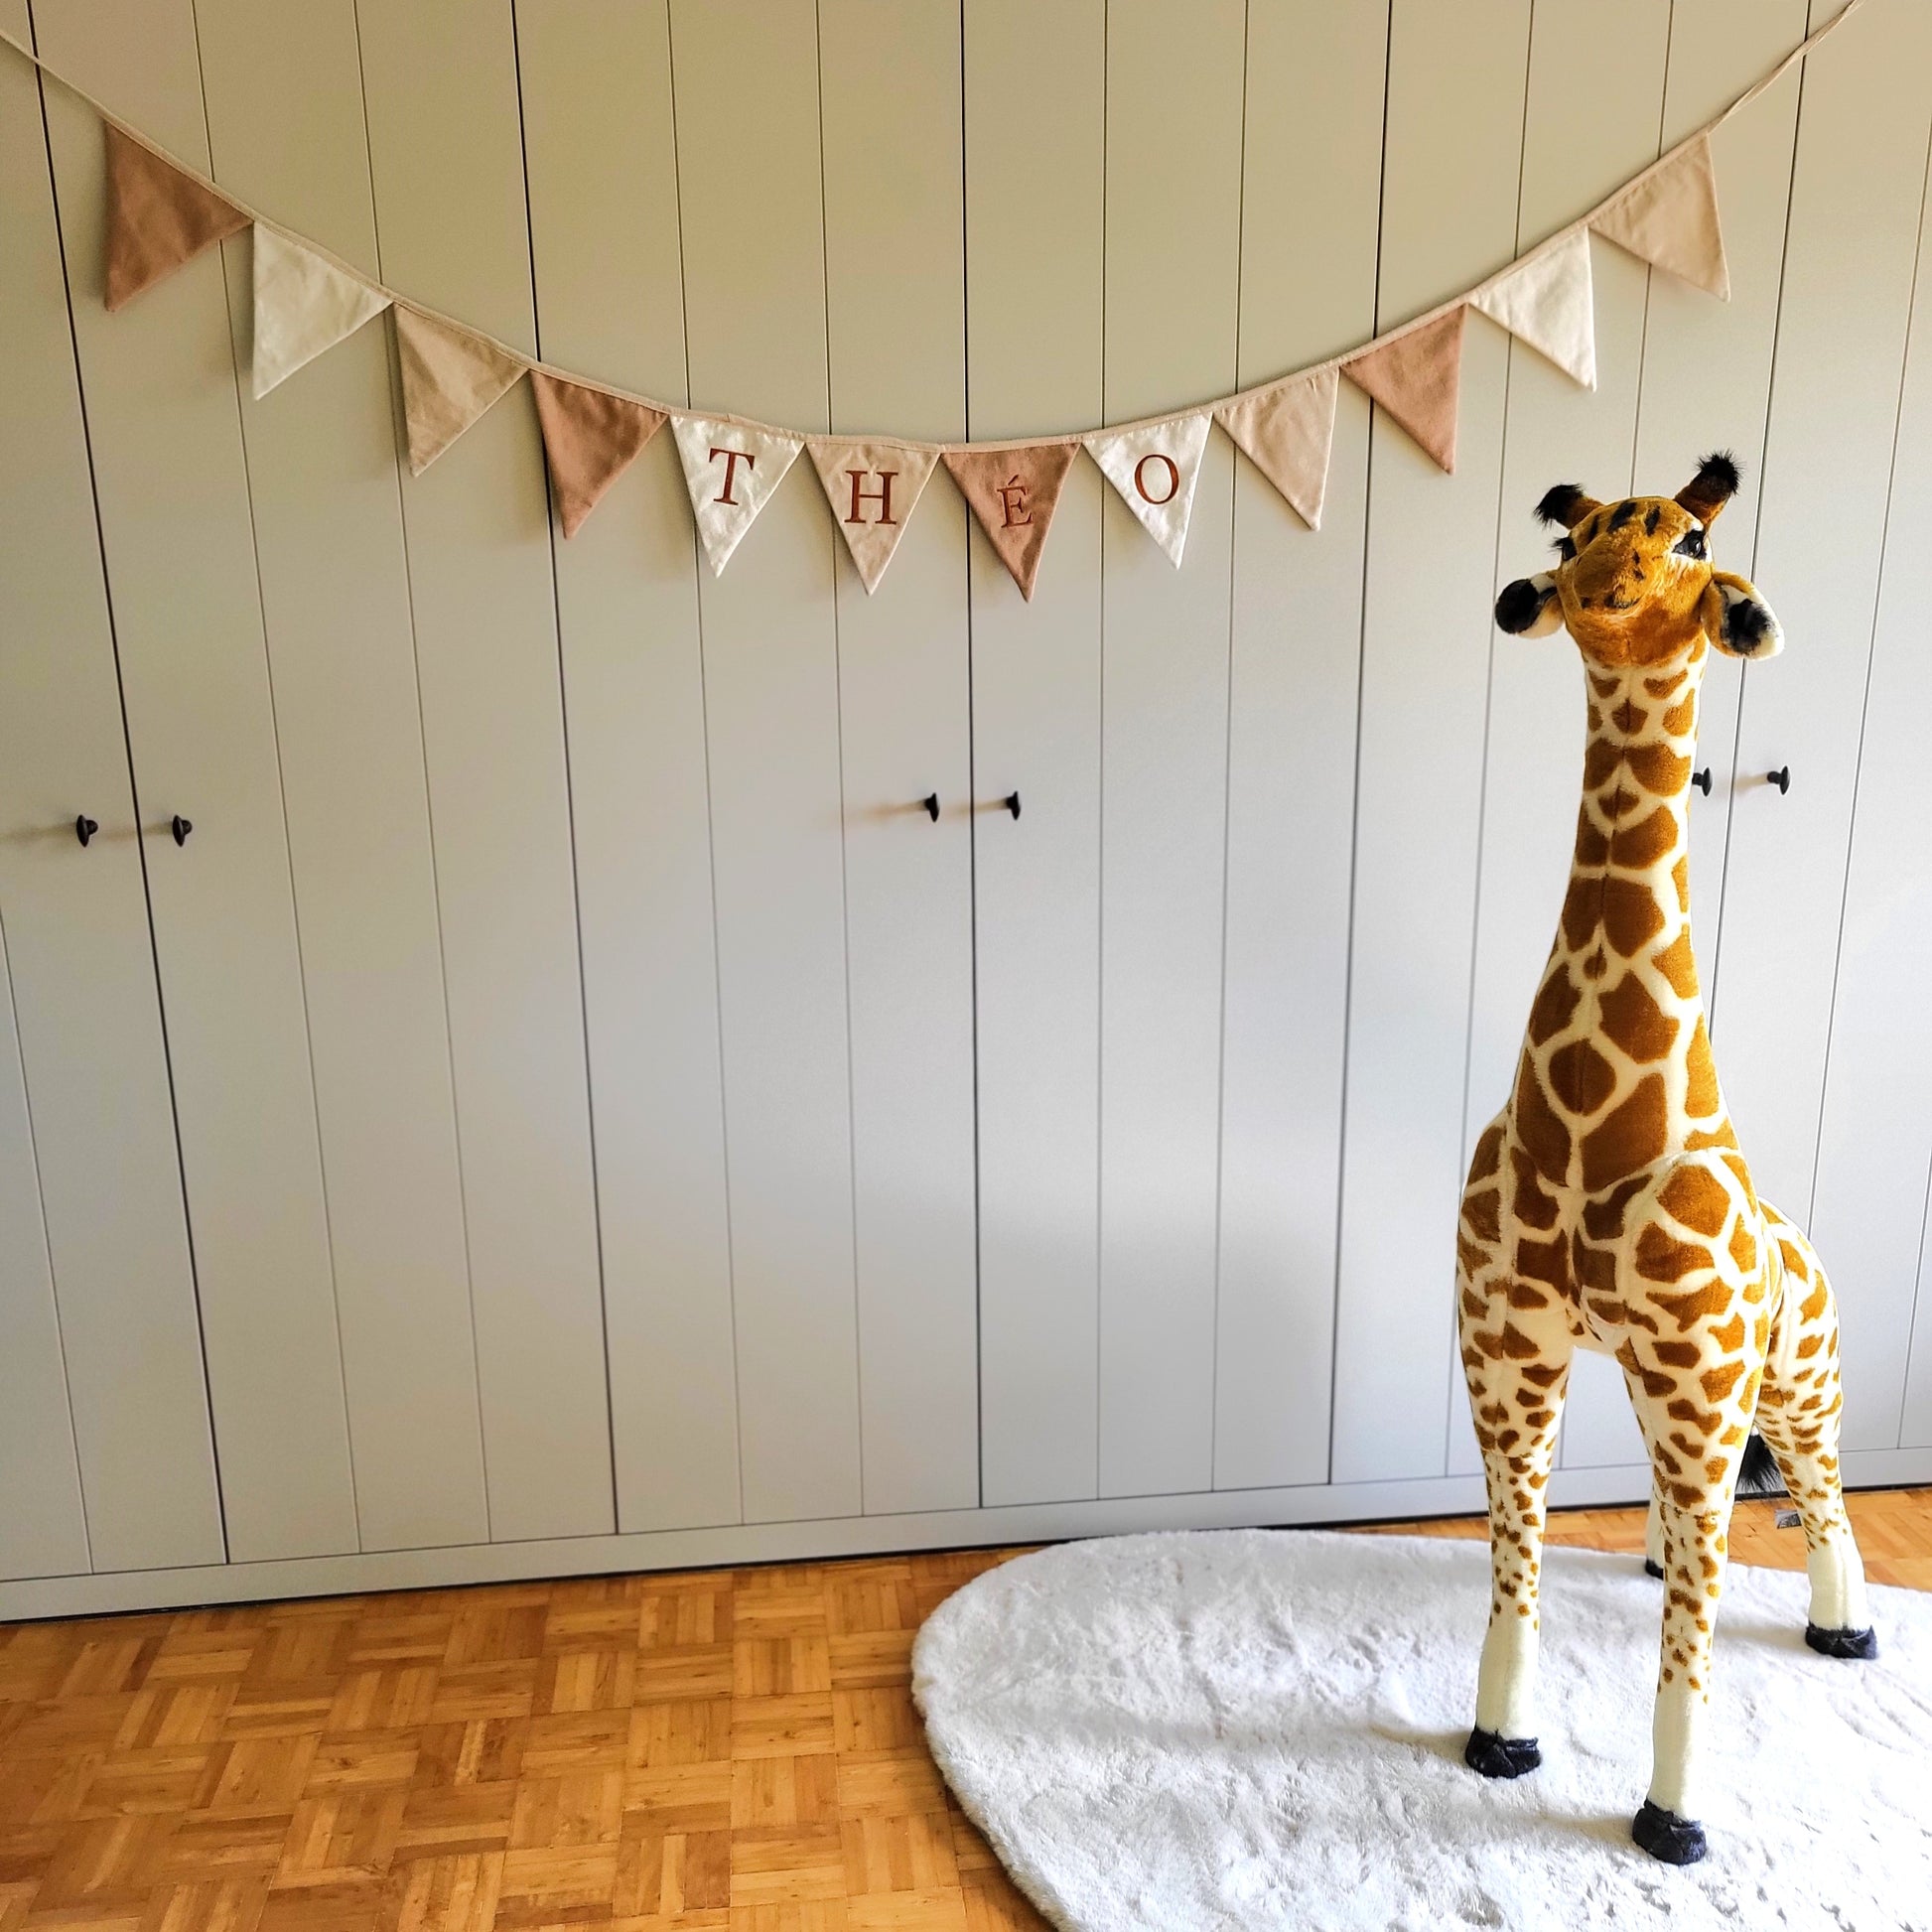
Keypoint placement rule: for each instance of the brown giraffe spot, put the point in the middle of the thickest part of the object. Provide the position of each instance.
(1522, 1296)
(1544, 1261)
(1810, 1346)
(1632, 1135)
(1482, 1211)
(1538, 1127)
(1488, 1155)
(1605, 687)
(1685, 1496)
(1685, 1410)
(1718, 1382)
(1731, 1337)
(1544, 1374)
(1600, 759)
(1698, 1140)
(1592, 847)
(1474, 1259)
(1594, 1269)
(1736, 1163)
(1581, 1077)
(1631, 914)
(1677, 1354)
(1555, 1000)
(1690, 1309)
(1681, 878)
(1666, 686)
(1743, 1247)
(1813, 1306)
(1641, 845)
(1603, 1219)
(1794, 1259)
(1662, 1258)
(1701, 1096)
(1517, 1345)
(1658, 768)
(1596, 964)
(1629, 718)
(1595, 717)
(1680, 719)
(1583, 908)
(1679, 966)
(1473, 1305)
(1532, 1204)
(1696, 1196)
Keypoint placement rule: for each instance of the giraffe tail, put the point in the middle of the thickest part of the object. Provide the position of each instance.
(1757, 1475)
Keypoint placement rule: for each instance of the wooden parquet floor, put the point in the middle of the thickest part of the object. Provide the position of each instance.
(657, 1753)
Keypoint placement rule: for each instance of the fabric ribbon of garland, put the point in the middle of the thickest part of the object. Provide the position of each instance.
(161, 213)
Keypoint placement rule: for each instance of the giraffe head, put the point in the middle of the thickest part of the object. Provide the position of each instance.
(1635, 582)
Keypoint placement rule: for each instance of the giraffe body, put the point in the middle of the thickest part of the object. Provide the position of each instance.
(1608, 1206)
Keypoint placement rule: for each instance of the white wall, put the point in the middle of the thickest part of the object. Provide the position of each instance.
(566, 1098)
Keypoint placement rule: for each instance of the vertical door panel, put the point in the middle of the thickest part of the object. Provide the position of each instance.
(754, 265)
(599, 144)
(1575, 152)
(446, 148)
(896, 316)
(327, 517)
(1455, 85)
(1035, 93)
(171, 487)
(1856, 201)
(1173, 225)
(1296, 649)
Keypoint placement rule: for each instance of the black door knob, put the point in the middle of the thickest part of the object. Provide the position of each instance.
(1011, 802)
(930, 804)
(1781, 778)
(1702, 779)
(84, 828)
(181, 827)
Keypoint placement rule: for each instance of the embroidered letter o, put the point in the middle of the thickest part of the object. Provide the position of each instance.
(1174, 479)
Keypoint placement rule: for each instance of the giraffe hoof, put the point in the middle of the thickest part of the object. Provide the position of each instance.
(1841, 1643)
(1653, 1570)
(1500, 1758)
(1665, 1836)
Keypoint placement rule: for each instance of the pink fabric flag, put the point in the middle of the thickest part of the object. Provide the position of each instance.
(448, 378)
(1286, 431)
(871, 487)
(157, 218)
(590, 438)
(1155, 469)
(1548, 302)
(1013, 493)
(1670, 220)
(1417, 378)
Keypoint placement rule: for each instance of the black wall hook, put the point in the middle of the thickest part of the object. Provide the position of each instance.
(1781, 778)
(930, 805)
(181, 827)
(84, 828)
(1011, 802)
(1702, 779)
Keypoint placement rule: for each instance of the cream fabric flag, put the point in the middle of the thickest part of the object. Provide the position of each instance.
(1547, 302)
(1670, 218)
(871, 487)
(448, 378)
(303, 306)
(1418, 379)
(591, 438)
(1155, 469)
(731, 472)
(157, 218)
(1013, 493)
(1286, 431)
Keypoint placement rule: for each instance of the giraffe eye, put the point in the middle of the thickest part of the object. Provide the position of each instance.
(1689, 544)
(1566, 550)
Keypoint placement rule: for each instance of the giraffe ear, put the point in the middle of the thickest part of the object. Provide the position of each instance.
(1713, 485)
(1530, 607)
(1565, 505)
(1737, 619)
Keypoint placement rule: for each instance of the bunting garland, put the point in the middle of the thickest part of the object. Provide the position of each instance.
(161, 214)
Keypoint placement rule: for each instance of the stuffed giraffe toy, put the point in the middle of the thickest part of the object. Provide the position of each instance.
(1607, 1204)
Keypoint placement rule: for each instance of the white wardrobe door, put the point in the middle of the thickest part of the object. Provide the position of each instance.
(1172, 222)
(1036, 89)
(1432, 553)
(440, 86)
(755, 313)
(599, 144)
(327, 520)
(895, 292)
(171, 488)
(1856, 201)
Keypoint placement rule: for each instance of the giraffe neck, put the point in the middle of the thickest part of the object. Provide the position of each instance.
(1616, 1069)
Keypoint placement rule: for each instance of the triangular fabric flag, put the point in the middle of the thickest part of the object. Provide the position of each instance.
(1670, 218)
(1546, 301)
(591, 438)
(1417, 378)
(448, 378)
(157, 218)
(303, 306)
(1286, 431)
(1013, 493)
(731, 470)
(1155, 469)
(871, 487)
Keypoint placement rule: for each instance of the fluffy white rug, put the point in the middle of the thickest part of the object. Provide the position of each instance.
(1256, 1729)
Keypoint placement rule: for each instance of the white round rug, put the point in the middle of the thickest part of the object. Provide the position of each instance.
(1256, 1729)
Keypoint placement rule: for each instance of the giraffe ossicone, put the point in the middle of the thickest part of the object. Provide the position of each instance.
(1609, 1206)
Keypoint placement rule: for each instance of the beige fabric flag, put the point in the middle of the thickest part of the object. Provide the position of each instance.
(157, 218)
(1548, 303)
(1670, 218)
(303, 306)
(1417, 379)
(871, 487)
(1155, 469)
(731, 472)
(448, 378)
(1013, 493)
(591, 438)
(1287, 431)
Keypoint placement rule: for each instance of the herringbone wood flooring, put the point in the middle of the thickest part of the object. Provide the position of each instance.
(658, 1753)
